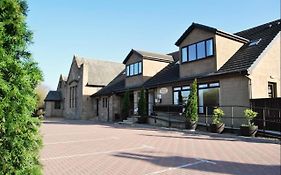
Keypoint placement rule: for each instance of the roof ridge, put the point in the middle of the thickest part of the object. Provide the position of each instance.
(264, 24)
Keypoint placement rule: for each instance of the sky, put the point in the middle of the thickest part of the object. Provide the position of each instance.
(109, 29)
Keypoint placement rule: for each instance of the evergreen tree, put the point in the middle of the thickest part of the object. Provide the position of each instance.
(126, 105)
(142, 104)
(20, 139)
(192, 104)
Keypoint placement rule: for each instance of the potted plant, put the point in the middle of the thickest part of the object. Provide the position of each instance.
(191, 111)
(249, 129)
(142, 108)
(217, 125)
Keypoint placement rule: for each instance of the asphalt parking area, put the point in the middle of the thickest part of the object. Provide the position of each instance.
(85, 147)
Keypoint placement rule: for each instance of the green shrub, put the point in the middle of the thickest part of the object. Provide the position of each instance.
(125, 105)
(250, 115)
(142, 104)
(191, 111)
(217, 116)
(20, 139)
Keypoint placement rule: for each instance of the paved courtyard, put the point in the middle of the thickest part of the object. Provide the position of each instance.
(83, 147)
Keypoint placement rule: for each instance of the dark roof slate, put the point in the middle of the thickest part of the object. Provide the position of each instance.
(247, 55)
(167, 75)
(116, 85)
(53, 96)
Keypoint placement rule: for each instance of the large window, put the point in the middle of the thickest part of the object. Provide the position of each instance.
(180, 94)
(208, 96)
(200, 50)
(134, 69)
(73, 97)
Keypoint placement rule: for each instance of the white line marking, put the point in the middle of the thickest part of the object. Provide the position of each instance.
(97, 153)
(73, 133)
(78, 141)
(182, 166)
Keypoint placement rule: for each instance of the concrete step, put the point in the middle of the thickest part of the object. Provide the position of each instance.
(126, 122)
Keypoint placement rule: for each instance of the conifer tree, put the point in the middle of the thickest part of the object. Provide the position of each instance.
(192, 104)
(20, 139)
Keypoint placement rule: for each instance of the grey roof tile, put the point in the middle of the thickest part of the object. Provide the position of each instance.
(53, 96)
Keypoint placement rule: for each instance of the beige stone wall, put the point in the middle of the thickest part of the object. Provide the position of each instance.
(234, 91)
(266, 69)
(75, 78)
(150, 67)
(51, 111)
(134, 58)
(195, 36)
(203, 66)
(108, 113)
(166, 98)
(225, 49)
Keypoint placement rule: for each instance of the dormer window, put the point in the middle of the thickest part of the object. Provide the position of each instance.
(134, 69)
(196, 51)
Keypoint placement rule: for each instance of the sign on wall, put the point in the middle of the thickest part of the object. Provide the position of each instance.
(163, 90)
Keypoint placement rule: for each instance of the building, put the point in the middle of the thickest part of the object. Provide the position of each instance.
(231, 69)
(72, 97)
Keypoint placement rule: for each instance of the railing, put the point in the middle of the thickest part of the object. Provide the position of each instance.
(267, 119)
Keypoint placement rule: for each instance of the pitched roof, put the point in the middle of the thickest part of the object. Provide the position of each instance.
(167, 75)
(116, 85)
(53, 96)
(175, 55)
(241, 61)
(247, 55)
(209, 29)
(100, 73)
(149, 55)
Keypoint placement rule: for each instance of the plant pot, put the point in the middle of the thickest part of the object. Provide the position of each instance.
(248, 130)
(191, 125)
(217, 128)
(142, 119)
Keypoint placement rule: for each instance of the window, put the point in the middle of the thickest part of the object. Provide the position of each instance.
(127, 70)
(200, 50)
(255, 42)
(73, 97)
(208, 96)
(131, 69)
(134, 69)
(57, 105)
(209, 48)
(184, 54)
(272, 90)
(192, 52)
(180, 94)
(140, 68)
(104, 102)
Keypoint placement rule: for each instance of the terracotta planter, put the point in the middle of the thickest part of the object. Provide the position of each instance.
(248, 130)
(217, 128)
(191, 125)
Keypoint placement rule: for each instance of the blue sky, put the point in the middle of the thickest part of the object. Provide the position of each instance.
(109, 29)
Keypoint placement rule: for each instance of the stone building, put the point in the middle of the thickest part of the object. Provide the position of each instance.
(85, 77)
